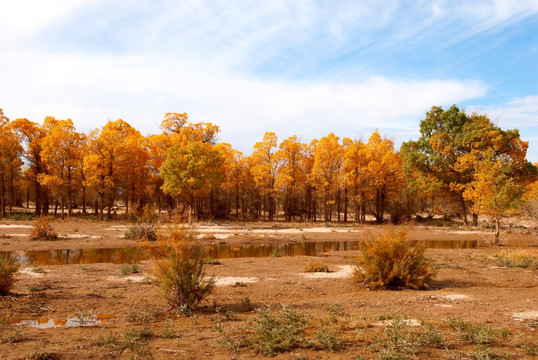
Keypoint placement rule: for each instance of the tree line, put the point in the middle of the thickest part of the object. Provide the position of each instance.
(457, 163)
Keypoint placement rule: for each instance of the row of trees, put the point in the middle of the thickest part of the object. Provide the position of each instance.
(459, 158)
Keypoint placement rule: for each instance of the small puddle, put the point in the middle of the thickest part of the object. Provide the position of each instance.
(47, 323)
(220, 251)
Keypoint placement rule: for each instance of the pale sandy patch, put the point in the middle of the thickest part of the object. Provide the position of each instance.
(454, 297)
(14, 235)
(444, 305)
(116, 228)
(526, 315)
(216, 236)
(79, 236)
(464, 232)
(343, 271)
(125, 278)
(15, 226)
(28, 271)
(408, 322)
(222, 230)
(232, 280)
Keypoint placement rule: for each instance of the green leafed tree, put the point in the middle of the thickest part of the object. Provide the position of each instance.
(451, 143)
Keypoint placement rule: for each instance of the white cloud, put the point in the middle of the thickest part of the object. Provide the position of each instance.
(200, 57)
(518, 112)
(22, 19)
(92, 89)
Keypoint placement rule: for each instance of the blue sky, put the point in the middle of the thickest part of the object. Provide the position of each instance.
(293, 67)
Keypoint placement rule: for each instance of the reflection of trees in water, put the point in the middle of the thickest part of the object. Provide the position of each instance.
(222, 251)
(84, 256)
(286, 249)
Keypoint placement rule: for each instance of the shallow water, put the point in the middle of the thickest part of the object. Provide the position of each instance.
(220, 251)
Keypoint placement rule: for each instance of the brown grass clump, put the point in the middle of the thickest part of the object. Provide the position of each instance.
(391, 261)
(8, 268)
(316, 266)
(178, 266)
(43, 230)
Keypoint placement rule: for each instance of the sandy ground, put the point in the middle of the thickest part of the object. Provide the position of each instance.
(469, 287)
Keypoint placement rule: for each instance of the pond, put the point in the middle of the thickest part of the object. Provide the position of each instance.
(220, 251)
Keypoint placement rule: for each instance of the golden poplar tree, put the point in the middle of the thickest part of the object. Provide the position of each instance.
(264, 170)
(61, 152)
(10, 163)
(325, 173)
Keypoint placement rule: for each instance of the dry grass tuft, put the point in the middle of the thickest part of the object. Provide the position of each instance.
(527, 259)
(8, 268)
(43, 230)
(316, 266)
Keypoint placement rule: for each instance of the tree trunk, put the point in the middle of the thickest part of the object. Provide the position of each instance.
(11, 192)
(497, 230)
(3, 197)
(475, 219)
(84, 199)
(102, 196)
(345, 204)
(338, 204)
(69, 193)
(237, 202)
(464, 211)
(62, 205)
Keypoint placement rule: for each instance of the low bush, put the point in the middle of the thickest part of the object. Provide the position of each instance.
(270, 333)
(43, 230)
(129, 269)
(316, 266)
(178, 267)
(479, 334)
(141, 232)
(391, 261)
(527, 259)
(8, 268)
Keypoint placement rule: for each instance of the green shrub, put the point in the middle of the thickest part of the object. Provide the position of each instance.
(391, 261)
(129, 269)
(43, 230)
(211, 261)
(278, 332)
(518, 259)
(316, 266)
(141, 232)
(178, 267)
(478, 334)
(8, 268)
(398, 341)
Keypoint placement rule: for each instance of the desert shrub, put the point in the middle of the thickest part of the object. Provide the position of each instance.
(43, 230)
(129, 269)
(519, 258)
(391, 261)
(141, 232)
(479, 334)
(316, 266)
(178, 267)
(398, 341)
(8, 268)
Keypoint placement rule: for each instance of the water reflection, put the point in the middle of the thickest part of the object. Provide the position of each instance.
(78, 256)
(221, 251)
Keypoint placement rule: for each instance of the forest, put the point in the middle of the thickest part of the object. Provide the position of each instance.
(461, 165)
